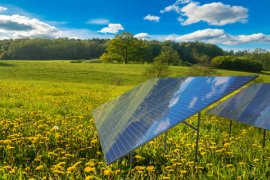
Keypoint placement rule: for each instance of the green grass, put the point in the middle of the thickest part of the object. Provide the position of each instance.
(47, 130)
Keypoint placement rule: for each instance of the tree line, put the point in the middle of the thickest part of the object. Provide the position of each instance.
(125, 48)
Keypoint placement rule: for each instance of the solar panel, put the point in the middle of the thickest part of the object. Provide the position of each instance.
(250, 106)
(155, 106)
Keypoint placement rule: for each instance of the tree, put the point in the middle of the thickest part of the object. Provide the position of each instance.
(126, 47)
(159, 68)
(170, 56)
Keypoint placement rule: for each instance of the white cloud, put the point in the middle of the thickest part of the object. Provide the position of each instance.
(200, 35)
(3, 9)
(219, 36)
(152, 18)
(112, 29)
(16, 26)
(193, 102)
(99, 21)
(143, 36)
(215, 13)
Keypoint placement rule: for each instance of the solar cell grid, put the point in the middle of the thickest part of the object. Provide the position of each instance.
(250, 106)
(154, 107)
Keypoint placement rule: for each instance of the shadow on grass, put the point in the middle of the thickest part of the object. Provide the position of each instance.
(6, 64)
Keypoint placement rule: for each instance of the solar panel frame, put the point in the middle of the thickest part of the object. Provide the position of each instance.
(245, 103)
(176, 122)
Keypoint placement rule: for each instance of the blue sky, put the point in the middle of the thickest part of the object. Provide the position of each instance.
(230, 24)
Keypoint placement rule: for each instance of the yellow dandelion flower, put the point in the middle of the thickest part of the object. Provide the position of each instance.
(152, 142)
(256, 160)
(77, 163)
(39, 167)
(90, 164)
(227, 144)
(71, 168)
(183, 171)
(94, 141)
(90, 169)
(118, 171)
(139, 157)
(165, 177)
(140, 168)
(242, 163)
(150, 168)
(107, 172)
(58, 172)
(89, 177)
(229, 165)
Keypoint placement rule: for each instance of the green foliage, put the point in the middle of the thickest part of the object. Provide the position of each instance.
(234, 63)
(124, 48)
(159, 68)
(35, 49)
(169, 56)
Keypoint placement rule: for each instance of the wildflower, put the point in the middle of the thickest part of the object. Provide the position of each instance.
(89, 177)
(183, 172)
(139, 157)
(256, 160)
(77, 163)
(229, 165)
(118, 171)
(94, 141)
(39, 167)
(152, 142)
(71, 168)
(227, 144)
(55, 128)
(140, 168)
(58, 172)
(242, 163)
(90, 169)
(168, 168)
(165, 177)
(90, 164)
(150, 168)
(108, 172)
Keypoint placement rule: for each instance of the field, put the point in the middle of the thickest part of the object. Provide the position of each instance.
(47, 130)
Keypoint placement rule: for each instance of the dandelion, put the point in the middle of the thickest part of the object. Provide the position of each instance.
(138, 157)
(90, 164)
(39, 167)
(90, 169)
(58, 172)
(107, 172)
(89, 177)
(71, 168)
(152, 142)
(229, 165)
(55, 128)
(139, 168)
(94, 141)
(183, 172)
(150, 168)
(242, 163)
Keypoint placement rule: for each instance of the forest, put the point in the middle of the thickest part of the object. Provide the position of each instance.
(125, 48)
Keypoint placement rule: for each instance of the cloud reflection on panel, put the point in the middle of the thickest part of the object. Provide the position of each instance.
(250, 106)
(154, 107)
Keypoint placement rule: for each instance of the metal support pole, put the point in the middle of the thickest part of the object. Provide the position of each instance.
(230, 128)
(264, 134)
(131, 159)
(197, 138)
(165, 140)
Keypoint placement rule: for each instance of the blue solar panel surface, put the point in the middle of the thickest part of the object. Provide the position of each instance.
(155, 106)
(250, 106)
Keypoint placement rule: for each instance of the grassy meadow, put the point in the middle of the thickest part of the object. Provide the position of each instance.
(47, 130)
